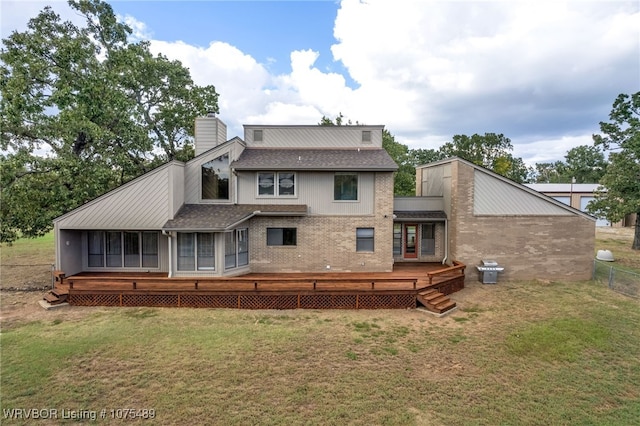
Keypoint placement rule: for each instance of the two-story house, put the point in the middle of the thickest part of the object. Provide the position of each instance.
(316, 199)
(283, 199)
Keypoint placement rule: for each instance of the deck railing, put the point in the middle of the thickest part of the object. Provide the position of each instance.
(454, 269)
(230, 284)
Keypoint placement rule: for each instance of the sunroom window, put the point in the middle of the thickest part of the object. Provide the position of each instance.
(196, 251)
(117, 249)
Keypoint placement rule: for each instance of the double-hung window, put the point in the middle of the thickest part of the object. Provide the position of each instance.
(276, 184)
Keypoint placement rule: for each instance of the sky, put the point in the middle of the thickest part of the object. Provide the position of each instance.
(544, 73)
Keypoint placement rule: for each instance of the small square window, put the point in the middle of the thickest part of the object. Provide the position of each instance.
(257, 135)
(366, 136)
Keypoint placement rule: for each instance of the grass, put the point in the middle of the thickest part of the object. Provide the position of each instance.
(619, 242)
(27, 262)
(525, 353)
(567, 359)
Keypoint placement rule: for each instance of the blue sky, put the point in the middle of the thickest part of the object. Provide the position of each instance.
(544, 73)
(268, 31)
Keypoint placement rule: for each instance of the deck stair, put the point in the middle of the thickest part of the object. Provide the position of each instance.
(56, 296)
(435, 301)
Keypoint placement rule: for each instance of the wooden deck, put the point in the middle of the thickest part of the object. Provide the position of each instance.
(336, 290)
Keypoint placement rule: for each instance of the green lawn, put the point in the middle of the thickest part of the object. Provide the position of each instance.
(515, 353)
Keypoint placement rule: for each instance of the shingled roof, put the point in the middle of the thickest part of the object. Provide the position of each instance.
(222, 217)
(418, 215)
(364, 159)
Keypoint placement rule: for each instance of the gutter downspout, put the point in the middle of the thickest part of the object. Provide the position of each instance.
(446, 241)
(168, 235)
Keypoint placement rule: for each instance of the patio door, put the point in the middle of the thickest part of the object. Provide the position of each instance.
(410, 241)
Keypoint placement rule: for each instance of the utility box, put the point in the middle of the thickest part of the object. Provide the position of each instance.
(489, 271)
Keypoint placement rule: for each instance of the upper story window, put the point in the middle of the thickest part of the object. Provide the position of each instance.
(215, 178)
(345, 187)
(366, 136)
(257, 135)
(277, 184)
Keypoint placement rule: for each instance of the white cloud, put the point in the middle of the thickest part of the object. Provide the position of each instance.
(239, 79)
(544, 73)
(139, 30)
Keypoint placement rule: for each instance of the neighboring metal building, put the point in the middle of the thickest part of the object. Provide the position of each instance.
(578, 195)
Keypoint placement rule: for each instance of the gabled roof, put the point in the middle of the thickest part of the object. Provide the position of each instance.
(363, 159)
(222, 217)
(512, 194)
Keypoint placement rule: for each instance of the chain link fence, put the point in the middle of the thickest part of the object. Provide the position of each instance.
(620, 280)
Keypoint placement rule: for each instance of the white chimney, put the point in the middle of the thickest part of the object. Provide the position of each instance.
(210, 132)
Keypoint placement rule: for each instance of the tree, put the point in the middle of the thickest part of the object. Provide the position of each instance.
(491, 151)
(549, 172)
(620, 194)
(84, 110)
(585, 164)
(404, 180)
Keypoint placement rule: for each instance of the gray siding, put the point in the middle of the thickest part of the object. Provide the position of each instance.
(432, 182)
(418, 204)
(140, 204)
(315, 189)
(69, 251)
(494, 197)
(176, 189)
(435, 182)
(313, 136)
(210, 132)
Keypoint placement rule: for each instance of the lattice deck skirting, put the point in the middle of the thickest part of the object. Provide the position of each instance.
(248, 300)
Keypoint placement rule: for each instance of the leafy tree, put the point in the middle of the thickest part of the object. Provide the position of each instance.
(549, 172)
(404, 183)
(585, 164)
(84, 110)
(621, 182)
(491, 151)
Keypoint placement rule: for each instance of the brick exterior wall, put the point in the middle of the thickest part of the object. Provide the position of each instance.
(328, 240)
(529, 247)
